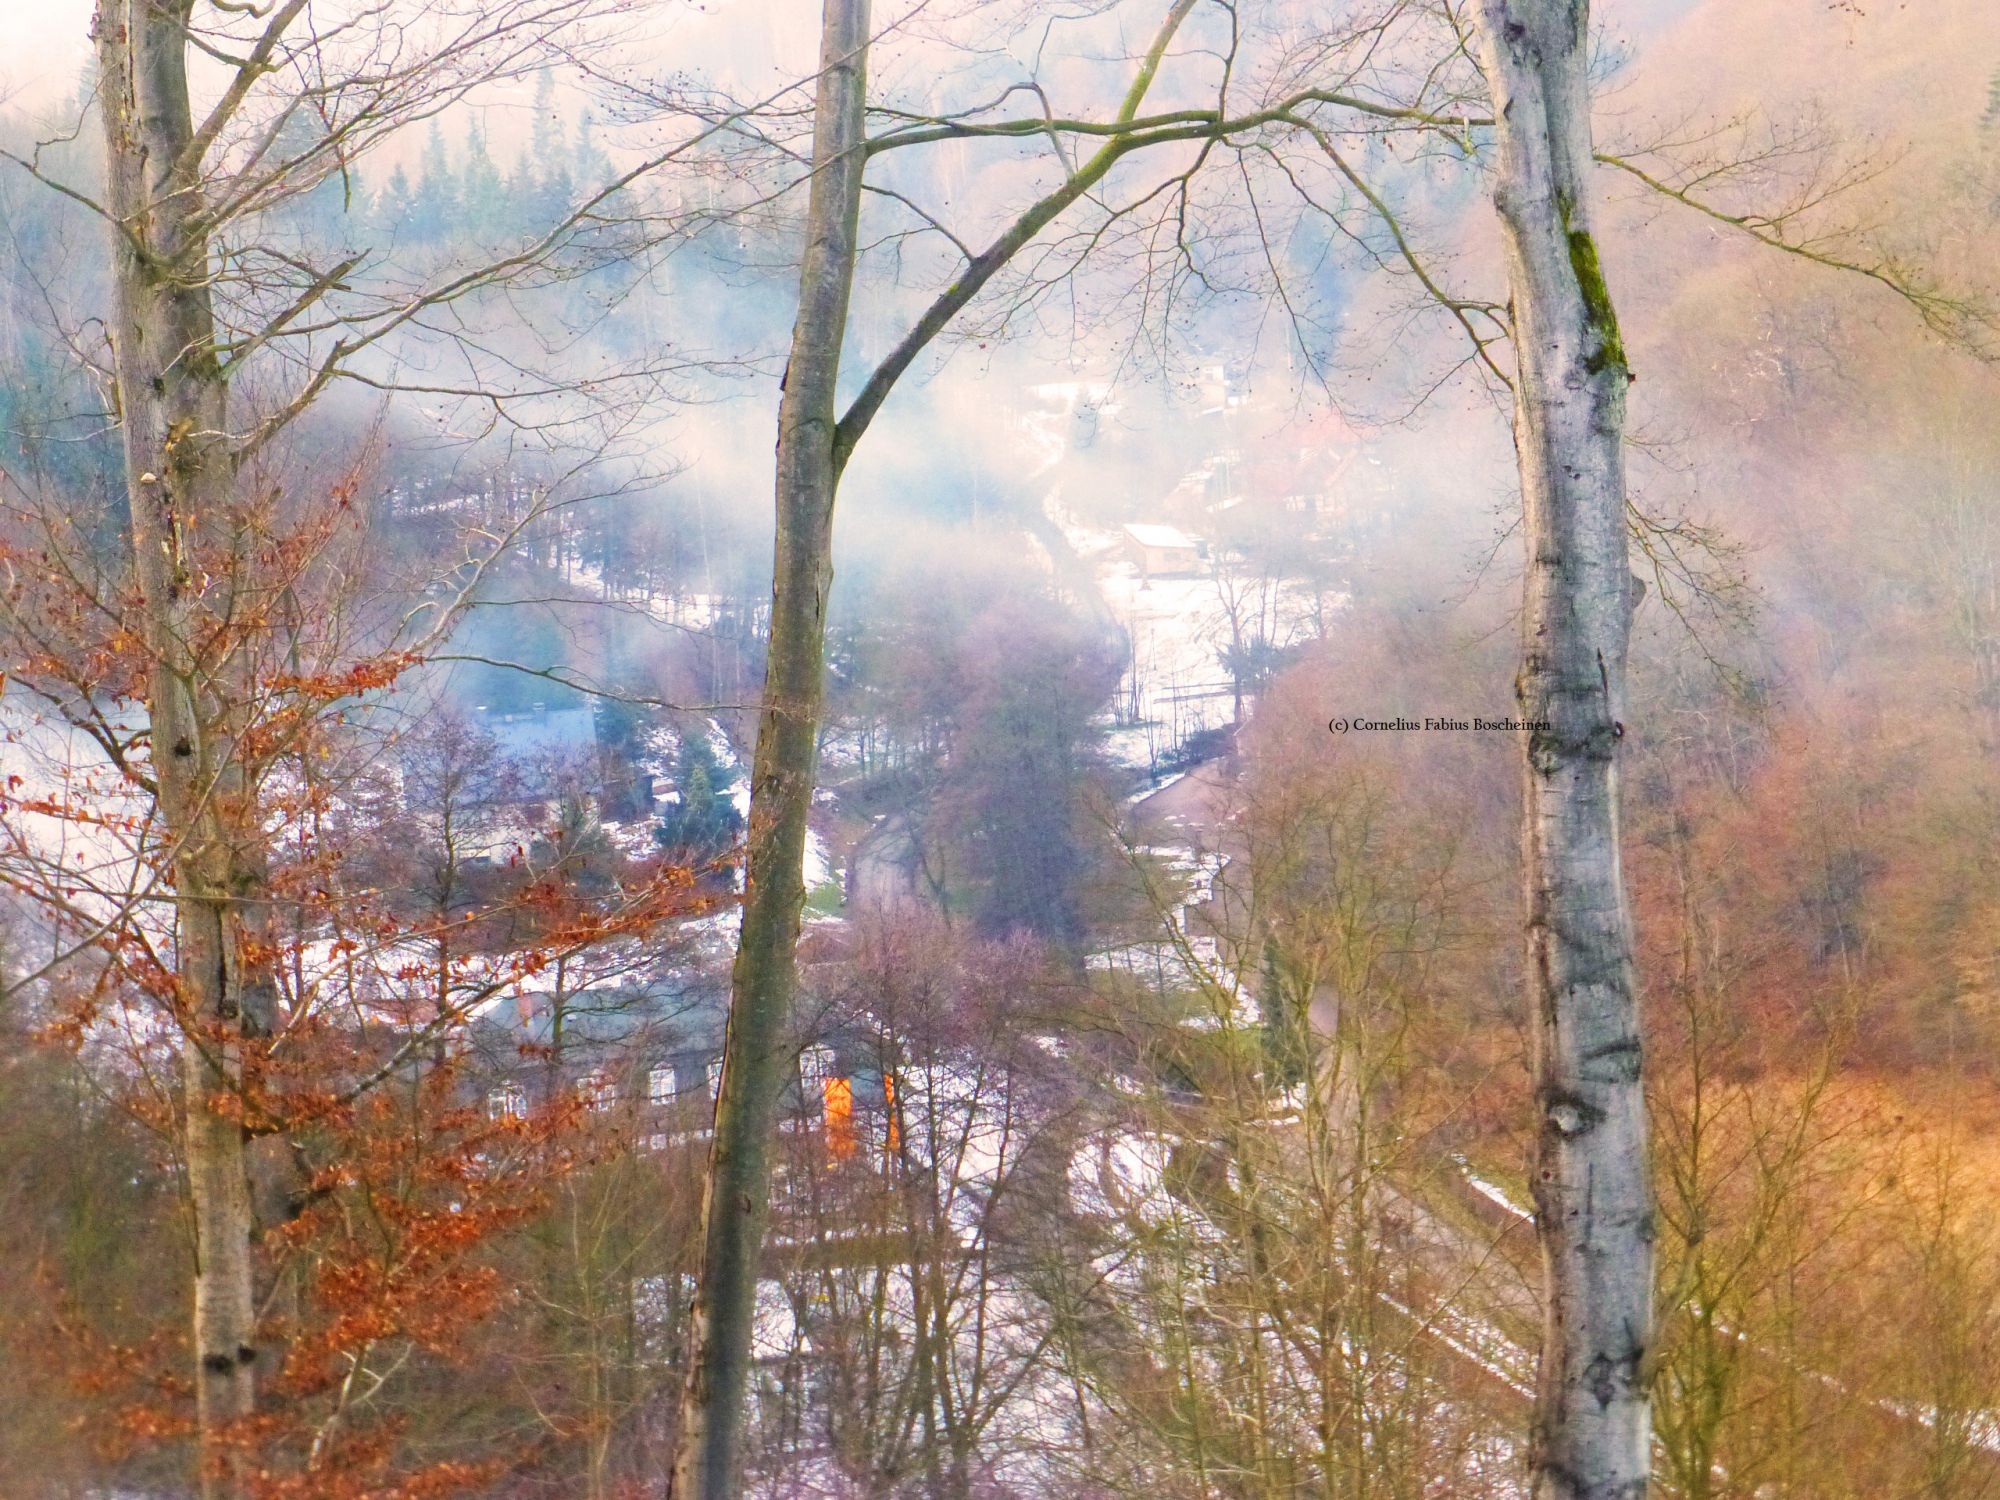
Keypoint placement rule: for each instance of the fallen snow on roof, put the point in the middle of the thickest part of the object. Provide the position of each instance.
(1151, 534)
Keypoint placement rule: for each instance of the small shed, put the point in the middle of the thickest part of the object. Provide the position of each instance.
(1162, 551)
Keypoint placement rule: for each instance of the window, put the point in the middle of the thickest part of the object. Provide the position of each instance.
(816, 1065)
(598, 1091)
(508, 1102)
(660, 1085)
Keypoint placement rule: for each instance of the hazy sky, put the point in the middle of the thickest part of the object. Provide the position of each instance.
(43, 45)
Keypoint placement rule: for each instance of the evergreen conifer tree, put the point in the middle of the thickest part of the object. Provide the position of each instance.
(705, 822)
(483, 194)
(434, 211)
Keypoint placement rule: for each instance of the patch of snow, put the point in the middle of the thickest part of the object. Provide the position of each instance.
(1494, 1193)
(818, 864)
(775, 1331)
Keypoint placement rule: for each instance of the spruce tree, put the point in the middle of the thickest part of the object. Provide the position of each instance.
(434, 211)
(705, 822)
(483, 194)
(396, 210)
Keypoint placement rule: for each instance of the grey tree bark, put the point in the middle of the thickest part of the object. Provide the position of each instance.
(736, 1190)
(815, 441)
(173, 408)
(177, 185)
(1592, 1182)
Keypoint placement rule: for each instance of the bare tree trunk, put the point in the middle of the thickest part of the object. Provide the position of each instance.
(179, 474)
(734, 1196)
(1593, 1195)
(813, 447)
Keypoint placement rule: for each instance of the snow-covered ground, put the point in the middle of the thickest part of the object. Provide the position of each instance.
(69, 808)
(1175, 683)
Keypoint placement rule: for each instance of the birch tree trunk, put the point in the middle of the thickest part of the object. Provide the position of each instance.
(1593, 1194)
(735, 1192)
(179, 476)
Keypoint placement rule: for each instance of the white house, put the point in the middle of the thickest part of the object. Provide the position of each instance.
(1162, 551)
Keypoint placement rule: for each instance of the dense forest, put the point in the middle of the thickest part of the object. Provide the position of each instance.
(985, 750)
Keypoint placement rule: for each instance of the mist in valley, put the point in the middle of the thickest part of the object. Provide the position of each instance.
(998, 750)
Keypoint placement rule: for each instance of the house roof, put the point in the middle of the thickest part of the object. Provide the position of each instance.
(560, 731)
(676, 1012)
(1148, 534)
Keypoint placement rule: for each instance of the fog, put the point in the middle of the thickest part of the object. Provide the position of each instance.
(1135, 1004)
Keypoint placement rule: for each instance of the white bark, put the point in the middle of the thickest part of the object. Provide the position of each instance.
(1592, 1426)
(173, 409)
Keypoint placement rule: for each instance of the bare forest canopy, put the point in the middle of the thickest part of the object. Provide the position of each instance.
(1341, 573)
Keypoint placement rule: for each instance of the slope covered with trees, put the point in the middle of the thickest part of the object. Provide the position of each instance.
(1325, 827)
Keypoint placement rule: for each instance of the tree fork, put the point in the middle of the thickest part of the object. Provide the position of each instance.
(815, 441)
(736, 1188)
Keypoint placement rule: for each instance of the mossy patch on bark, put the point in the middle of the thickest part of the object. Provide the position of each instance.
(1603, 318)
